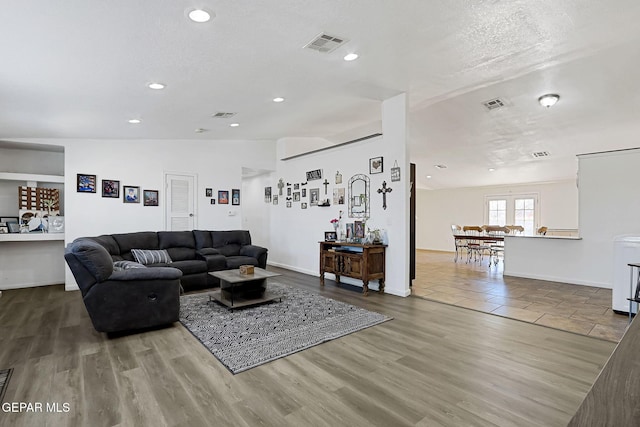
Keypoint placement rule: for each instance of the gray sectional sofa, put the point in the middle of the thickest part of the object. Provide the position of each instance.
(122, 292)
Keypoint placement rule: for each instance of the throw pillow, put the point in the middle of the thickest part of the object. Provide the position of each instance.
(125, 265)
(147, 256)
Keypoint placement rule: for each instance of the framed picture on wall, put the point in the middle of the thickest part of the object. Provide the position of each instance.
(235, 196)
(375, 165)
(86, 183)
(150, 197)
(213, 201)
(223, 197)
(110, 188)
(130, 194)
(208, 192)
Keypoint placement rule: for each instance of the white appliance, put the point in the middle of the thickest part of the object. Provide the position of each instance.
(626, 250)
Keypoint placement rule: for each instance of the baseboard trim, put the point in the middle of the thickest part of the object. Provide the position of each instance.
(557, 279)
(347, 280)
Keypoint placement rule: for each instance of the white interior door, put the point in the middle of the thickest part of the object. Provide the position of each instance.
(181, 209)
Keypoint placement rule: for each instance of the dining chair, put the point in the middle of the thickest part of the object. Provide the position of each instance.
(496, 247)
(475, 247)
(515, 229)
(542, 231)
(460, 244)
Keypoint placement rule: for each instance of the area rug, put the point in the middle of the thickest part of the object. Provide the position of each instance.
(5, 376)
(244, 338)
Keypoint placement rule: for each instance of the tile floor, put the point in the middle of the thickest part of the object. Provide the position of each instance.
(581, 309)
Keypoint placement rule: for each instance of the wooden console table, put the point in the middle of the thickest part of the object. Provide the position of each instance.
(364, 262)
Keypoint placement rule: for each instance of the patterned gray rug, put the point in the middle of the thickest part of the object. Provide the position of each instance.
(5, 376)
(244, 338)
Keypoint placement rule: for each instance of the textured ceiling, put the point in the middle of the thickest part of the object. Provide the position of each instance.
(79, 69)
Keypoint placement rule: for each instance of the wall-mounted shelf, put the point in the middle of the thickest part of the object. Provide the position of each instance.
(10, 176)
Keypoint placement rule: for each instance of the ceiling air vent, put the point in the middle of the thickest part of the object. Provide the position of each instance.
(223, 115)
(325, 43)
(540, 154)
(494, 104)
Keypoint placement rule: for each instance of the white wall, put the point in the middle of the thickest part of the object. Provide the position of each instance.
(295, 232)
(608, 208)
(256, 215)
(436, 210)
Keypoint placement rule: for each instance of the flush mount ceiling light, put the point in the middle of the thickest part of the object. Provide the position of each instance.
(199, 15)
(440, 166)
(234, 125)
(428, 176)
(351, 57)
(548, 100)
(134, 121)
(492, 170)
(200, 130)
(278, 99)
(156, 86)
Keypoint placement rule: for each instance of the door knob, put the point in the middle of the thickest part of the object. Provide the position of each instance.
(191, 214)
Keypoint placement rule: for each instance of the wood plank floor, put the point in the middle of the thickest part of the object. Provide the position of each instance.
(580, 309)
(433, 365)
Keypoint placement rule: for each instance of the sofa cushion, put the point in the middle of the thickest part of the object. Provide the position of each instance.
(139, 240)
(109, 243)
(94, 257)
(234, 262)
(190, 266)
(202, 239)
(230, 242)
(181, 245)
(125, 265)
(148, 256)
(208, 251)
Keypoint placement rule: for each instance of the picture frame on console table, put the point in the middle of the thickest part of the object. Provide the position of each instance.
(330, 236)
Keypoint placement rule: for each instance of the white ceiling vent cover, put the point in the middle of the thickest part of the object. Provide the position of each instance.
(494, 104)
(222, 115)
(325, 43)
(540, 154)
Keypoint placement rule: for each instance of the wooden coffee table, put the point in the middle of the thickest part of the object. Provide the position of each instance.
(238, 290)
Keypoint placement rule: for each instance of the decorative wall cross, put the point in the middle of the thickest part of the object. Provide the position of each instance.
(384, 190)
(325, 183)
(280, 186)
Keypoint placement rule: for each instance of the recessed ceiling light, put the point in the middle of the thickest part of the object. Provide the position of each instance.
(234, 125)
(278, 99)
(428, 176)
(134, 121)
(440, 166)
(199, 15)
(549, 99)
(492, 170)
(156, 86)
(351, 57)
